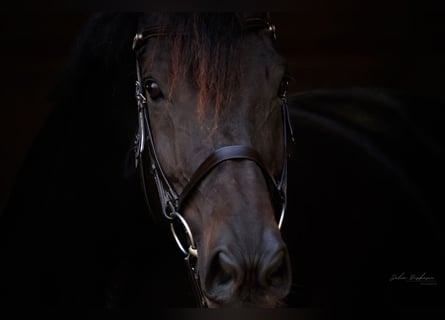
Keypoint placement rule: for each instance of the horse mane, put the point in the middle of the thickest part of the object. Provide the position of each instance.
(95, 92)
(101, 73)
(100, 60)
(204, 49)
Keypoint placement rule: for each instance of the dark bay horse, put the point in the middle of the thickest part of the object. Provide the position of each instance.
(211, 127)
(210, 120)
(76, 230)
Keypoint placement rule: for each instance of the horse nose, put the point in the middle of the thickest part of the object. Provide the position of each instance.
(232, 276)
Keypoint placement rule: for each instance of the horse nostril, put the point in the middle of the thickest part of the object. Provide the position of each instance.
(230, 278)
(276, 273)
(227, 268)
(221, 276)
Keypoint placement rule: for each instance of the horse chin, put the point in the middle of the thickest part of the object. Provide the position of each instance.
(248, 304)
(247, 299)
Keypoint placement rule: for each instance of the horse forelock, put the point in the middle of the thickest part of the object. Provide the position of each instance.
(204, 50)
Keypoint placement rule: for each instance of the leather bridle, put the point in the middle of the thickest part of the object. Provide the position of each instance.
(171, 202)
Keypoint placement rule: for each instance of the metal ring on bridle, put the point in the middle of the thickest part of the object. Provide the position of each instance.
(192, 247)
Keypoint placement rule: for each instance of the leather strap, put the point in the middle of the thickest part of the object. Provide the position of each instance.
(142, 36)
(235, 152)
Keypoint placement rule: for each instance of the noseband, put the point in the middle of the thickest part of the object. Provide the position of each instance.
(172, 202)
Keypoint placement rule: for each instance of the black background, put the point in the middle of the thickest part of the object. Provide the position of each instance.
(396, 47)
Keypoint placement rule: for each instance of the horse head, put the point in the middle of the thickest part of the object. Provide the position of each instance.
(212, 125)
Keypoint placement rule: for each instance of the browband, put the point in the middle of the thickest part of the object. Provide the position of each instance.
(158, 31)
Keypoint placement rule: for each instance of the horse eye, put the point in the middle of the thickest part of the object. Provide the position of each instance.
(153, 89)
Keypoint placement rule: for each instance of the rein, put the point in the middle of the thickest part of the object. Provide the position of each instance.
(172, 202)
